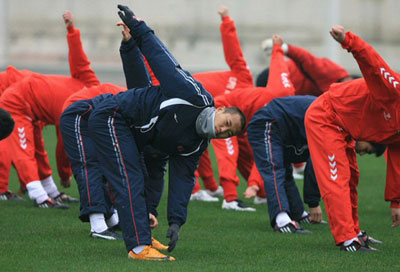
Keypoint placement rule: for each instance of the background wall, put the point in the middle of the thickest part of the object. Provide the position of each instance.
(32, 33)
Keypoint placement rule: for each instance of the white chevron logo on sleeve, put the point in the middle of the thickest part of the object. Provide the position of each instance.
(390, 79)
(21, 129)
(24, 146)
(386, 74)
(21, 135)
(22, 141)
(332, 164)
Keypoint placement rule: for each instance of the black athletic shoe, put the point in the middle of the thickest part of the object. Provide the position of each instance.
(8, 195)
(305, 219)
(115, 228)
(106, 235)
(357, 246)
(50, 203)
(64, 198)
(368, 239)
(292, 227)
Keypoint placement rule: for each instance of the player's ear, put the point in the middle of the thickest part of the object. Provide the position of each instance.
(220, 109)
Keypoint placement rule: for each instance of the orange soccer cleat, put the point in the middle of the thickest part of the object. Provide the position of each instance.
(158, 245)
(151, 254)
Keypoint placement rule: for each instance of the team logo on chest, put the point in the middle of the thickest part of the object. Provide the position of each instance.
(387, 115)
(231, 84)
(229, 146)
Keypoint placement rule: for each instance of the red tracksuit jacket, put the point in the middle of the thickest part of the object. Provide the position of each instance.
(311, 75)
(369, 109)
(44, 95)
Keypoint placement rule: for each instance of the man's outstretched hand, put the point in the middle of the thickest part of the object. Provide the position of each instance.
(223, 11)
(126, 33)
(68, 19)
(251, 191)
(127, 15)
(66, 183)
(153, 221)
(395, 217)
(316, 214)
(173, 235)
(338, 33)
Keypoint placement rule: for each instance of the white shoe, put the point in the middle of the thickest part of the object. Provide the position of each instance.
(236, 205)
(259, 200)
(203, 196)
(216, 193)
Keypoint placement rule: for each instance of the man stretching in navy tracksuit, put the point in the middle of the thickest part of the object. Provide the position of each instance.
(177, 118)
(278, 138)
(95, 201)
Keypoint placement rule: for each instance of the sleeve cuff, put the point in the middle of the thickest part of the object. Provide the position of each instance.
(71, 29)
(395, 204)
(346, 43)
(226, 19)
(313, 205)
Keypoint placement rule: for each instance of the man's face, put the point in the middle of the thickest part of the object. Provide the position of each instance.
(226, 124)
(363, 148)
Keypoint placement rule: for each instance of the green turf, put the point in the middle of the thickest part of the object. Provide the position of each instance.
(213, 239)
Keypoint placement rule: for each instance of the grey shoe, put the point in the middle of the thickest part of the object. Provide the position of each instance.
(236, 205)
(291, 227)
(9, 195)
(106, 235)
(50, 203)
(64, 198)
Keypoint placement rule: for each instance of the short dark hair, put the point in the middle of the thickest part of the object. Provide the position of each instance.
(379, 148)
(235, 110)
(6, 124)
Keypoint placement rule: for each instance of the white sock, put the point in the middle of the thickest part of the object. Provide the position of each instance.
(97, 222)
(138, 249)
(50, 187)
(113, 220)
(282, 219)
(348, 242)
(36, 191)
(304, 214)
(360, 233)
(285, 48)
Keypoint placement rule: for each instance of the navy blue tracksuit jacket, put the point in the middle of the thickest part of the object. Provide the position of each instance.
(162, 116)
(278, 138)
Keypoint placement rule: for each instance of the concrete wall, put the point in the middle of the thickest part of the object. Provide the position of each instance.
(32, 33)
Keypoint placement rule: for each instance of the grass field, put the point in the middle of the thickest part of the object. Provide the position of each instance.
(213, 239)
